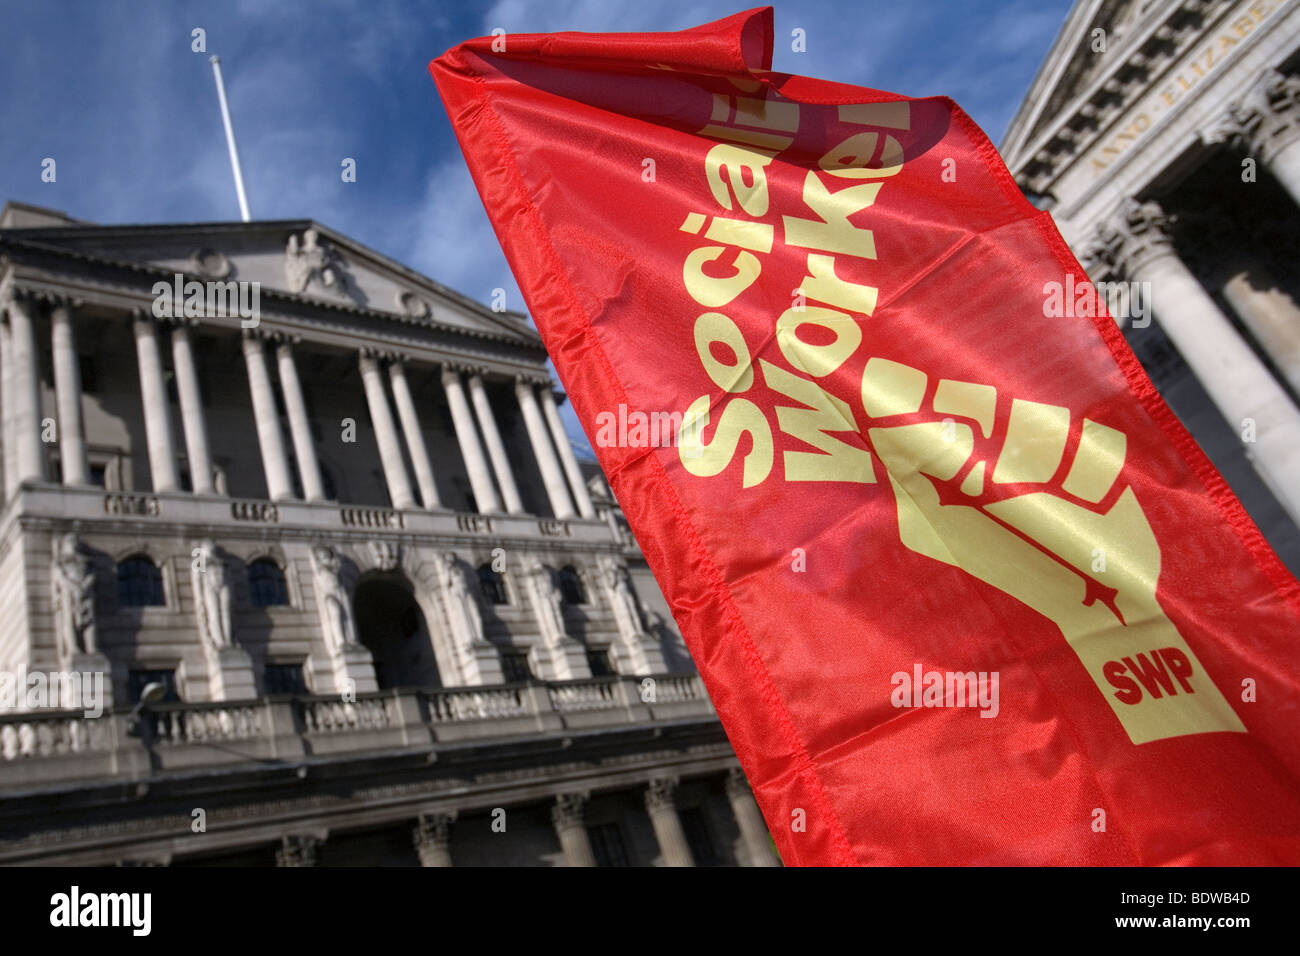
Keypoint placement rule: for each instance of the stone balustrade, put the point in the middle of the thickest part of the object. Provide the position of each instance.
(168, 510)
(45, 746)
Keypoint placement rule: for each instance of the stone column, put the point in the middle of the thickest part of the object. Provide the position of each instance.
(567, 817)
(269, 438)
(1268, 121)
(1140, 245)
(496, 449)
(304, 449)
(67, 393)
(10, 435)
(552, 477)
(297, 851)
(157, 406)
(1271, 315)
(750, 820)
(381, 417)
(432, 837)
(480, 479)
(192, 417)
(25, 390)
(567, 458)
(415, 445)
(661, 803)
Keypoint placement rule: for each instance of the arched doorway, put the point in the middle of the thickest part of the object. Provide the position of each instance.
(392, 627)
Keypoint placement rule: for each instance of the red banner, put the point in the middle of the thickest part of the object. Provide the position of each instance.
(961, 587)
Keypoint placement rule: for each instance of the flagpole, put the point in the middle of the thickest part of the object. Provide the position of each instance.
(230, 139)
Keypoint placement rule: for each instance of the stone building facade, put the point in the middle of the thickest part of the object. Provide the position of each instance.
(1164, 137)
(312, 523)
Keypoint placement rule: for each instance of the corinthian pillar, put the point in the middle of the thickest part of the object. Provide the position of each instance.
(480, 479)
(25, 390)
(661, 804)
(67, 394)
(304, 449)
(567, 818)
(157, 407)
(552, 477)
(1269, 313)
(567, 458)
(10, 426)
(1268, 121)
(192, 417)
(496, 449)
(750, 820)
(1140, 245)
(390, 452)
(432, 837)
(269, 438)
(415, 445)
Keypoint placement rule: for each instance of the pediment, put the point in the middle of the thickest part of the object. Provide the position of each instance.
(296, 257)
(1071, 66)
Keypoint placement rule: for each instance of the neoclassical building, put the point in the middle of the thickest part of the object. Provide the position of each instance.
(1164, 137)
(312, 522)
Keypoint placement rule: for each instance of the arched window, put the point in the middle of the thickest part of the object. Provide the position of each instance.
(139, 582)
(571, 589)
(266, 585)
(492, 585)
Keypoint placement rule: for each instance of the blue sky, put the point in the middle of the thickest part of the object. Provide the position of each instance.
(112, 91)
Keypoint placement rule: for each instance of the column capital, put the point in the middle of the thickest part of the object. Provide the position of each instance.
(380, 354)
(1268, 117)
(568, 810)
(661, 794)
(433, 830)
(450, 374)
(1136, 234)
(280, 338)
(60, 300)
(178, 321)
(737, 784)
(297, 850)
(528, 380)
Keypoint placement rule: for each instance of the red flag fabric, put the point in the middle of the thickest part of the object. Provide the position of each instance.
(961, 587)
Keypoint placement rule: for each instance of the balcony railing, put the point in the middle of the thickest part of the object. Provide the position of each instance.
(172, 508)
(47, 746)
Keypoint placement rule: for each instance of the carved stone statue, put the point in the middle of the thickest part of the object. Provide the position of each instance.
(306, 258)
(545, 599)
(211, 580)
(332, 599)
(618, 587)
(74, 598)
(463, 612)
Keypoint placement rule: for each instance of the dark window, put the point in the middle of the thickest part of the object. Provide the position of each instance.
(137, 681)
(98, 475)
(514, 667)
(571, 589)
(607, 845)
(492, 585)
(266, 585)
(409, 621)
(139, 582)
(598, 661)
(696, 828)
(328, 485)
(283, 679)
(89, 381)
